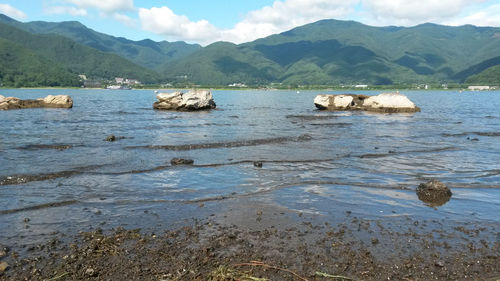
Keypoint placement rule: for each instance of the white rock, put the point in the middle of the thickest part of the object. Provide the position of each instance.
(170, 97)
(342, 101)
(389, 100)
(1, 98)
(385, 103)
(192, 100)
(197, 99)
(59, 100)
(322, 101)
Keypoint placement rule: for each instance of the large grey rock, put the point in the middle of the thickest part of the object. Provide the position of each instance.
(190, 101)
(386, 102)
(60, 101)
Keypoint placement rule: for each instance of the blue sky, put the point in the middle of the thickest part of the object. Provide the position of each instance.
(207, 21)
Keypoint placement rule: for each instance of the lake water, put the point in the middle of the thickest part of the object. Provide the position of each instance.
(314, 162)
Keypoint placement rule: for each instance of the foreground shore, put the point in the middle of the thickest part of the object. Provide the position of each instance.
(260, 242)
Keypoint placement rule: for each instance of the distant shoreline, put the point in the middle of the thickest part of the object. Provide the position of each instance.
(312, 88)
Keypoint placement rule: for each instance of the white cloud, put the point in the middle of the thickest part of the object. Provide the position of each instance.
(12, 12)
(406, 13)
(107, 6)
(125, 20)
(163, 21)
(285, 15)
(279, 17)
(76, 12)
(488, 16)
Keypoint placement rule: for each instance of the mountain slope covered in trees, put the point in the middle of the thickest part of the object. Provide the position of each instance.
(147, 53)
(327, 52)
(335, 52)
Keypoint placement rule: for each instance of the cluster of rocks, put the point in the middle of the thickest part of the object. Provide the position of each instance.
(203, 100)
(50, 101)
(190, 101)
(385, 103)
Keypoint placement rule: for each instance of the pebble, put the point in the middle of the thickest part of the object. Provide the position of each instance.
(3, 266)
(90, 272)
(439, 264)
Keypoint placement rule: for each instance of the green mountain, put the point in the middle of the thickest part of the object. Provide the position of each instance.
(334, 52)
(21, 67)
(327, 52)
(74, 57)
(147, 53)
(490, 76)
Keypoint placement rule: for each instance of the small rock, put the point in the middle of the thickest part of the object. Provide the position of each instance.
(434, 192)
(3, 253)
(181, 161)
(3, 266)
(375, 241)
(111, 138)
(439, 263)
(90, 272)
(257, 164)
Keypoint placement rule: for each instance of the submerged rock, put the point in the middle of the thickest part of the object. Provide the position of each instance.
(434, 193)
(112, 138)
(181, 161)
(190, 101)
(385, 103)
(257, 164)
(50, 101)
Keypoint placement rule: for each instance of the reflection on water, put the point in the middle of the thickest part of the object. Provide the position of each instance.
(314, 161)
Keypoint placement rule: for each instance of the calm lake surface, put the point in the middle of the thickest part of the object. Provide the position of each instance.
(57, 170)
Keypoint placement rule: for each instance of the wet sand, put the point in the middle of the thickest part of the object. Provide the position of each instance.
(251, 240)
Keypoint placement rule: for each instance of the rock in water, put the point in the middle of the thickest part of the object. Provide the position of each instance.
(257, 164)
(9, 103)
(60, 101)
(190, 101)
(385, 103)
(434, 193)
(180, 161)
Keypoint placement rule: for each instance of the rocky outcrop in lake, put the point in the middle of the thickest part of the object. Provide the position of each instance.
(50, 101)
(385, 103)
(190, 101)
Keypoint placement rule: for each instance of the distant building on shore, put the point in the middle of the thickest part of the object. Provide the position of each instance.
(361, 86)
(479, 88)
(240, 85)
(126, 81)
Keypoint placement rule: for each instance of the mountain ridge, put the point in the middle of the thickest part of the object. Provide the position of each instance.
(326, 52)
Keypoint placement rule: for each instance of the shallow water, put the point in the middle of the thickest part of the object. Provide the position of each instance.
(57, 169)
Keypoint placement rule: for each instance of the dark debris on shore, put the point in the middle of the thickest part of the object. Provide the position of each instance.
(212, 251)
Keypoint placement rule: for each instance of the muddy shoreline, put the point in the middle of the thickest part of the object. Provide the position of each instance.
(251, 240)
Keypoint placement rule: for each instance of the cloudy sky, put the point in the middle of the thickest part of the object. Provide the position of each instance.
(207, 21)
